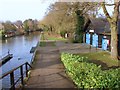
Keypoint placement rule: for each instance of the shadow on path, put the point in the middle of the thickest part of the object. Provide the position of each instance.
(48, 70)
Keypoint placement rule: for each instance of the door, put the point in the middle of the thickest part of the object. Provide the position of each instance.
(87, 38)
(95, 40)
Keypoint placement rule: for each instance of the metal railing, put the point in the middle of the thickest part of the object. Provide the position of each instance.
(11, 73)
(21, 78)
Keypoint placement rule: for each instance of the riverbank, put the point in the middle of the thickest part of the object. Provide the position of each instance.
(15, 35)
(20, 47)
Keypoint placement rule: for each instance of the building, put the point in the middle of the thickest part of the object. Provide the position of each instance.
(1, 26)
(102, 28)
(19, 27)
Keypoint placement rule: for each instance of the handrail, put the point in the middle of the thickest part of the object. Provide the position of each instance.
(5, 74)
(11, 72)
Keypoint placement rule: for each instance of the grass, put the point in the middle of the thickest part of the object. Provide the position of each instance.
(45, 43)
(54, 37)
(101, 58)
(42, 44)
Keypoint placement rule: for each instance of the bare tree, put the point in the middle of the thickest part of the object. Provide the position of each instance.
(113, 21)
(62, 15)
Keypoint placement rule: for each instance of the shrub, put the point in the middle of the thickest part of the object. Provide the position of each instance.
(62, 33)
(89, 75)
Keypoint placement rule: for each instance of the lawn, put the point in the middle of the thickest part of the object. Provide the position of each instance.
(42, 44)
(52, 36)
(102, 58)
(55, 38)
(45, 43)
(49, 37)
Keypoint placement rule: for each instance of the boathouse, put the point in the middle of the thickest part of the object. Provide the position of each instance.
(101, 28)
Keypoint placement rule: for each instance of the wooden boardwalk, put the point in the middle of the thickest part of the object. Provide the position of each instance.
(48, 70)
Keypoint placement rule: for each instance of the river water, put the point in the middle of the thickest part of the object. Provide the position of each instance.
(20, 47)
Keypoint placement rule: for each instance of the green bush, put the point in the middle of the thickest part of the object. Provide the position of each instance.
(77, 38)
(89, 75)
(62, 33)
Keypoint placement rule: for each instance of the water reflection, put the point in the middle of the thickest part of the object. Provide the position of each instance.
(20, 48)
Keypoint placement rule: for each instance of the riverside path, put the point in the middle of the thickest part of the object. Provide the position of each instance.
(48, 70)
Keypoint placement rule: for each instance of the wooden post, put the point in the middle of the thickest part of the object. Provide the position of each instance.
(26, 69)
(12, 80)
(22, 77)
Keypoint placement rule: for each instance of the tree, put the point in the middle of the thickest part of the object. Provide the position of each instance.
(113, 21)
(62, 16)
(58, 20)
(2, 33)
(35, 24)
(30, 25)
(79, 27)
(26, 27)
(19, 27)
(8, 25)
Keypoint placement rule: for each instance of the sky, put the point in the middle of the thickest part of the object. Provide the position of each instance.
(23, 9)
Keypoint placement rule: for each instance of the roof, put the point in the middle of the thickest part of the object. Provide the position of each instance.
(1, 26)
(18, 23)
(99, 25)
(102, 25)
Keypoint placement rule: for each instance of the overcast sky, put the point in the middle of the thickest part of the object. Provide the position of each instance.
(24, 9)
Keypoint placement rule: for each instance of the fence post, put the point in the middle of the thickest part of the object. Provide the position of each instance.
(22, 77)
(26, 69)
(12, 80)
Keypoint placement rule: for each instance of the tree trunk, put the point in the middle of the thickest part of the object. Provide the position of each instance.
(114, 28)
(114, 40)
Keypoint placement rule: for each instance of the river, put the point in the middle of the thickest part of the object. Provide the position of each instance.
(20, 47)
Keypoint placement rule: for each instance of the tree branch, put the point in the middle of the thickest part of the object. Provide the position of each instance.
(112, 4)
(116, 11)
(105, 11)
(109, 4)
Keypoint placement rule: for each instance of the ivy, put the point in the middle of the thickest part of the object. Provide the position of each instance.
(79, 27)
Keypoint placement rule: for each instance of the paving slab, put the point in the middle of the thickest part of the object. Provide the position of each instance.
(48, 70)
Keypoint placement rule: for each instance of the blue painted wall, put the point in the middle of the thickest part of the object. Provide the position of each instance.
(95, 40)
(88, 38)
(104, 43)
